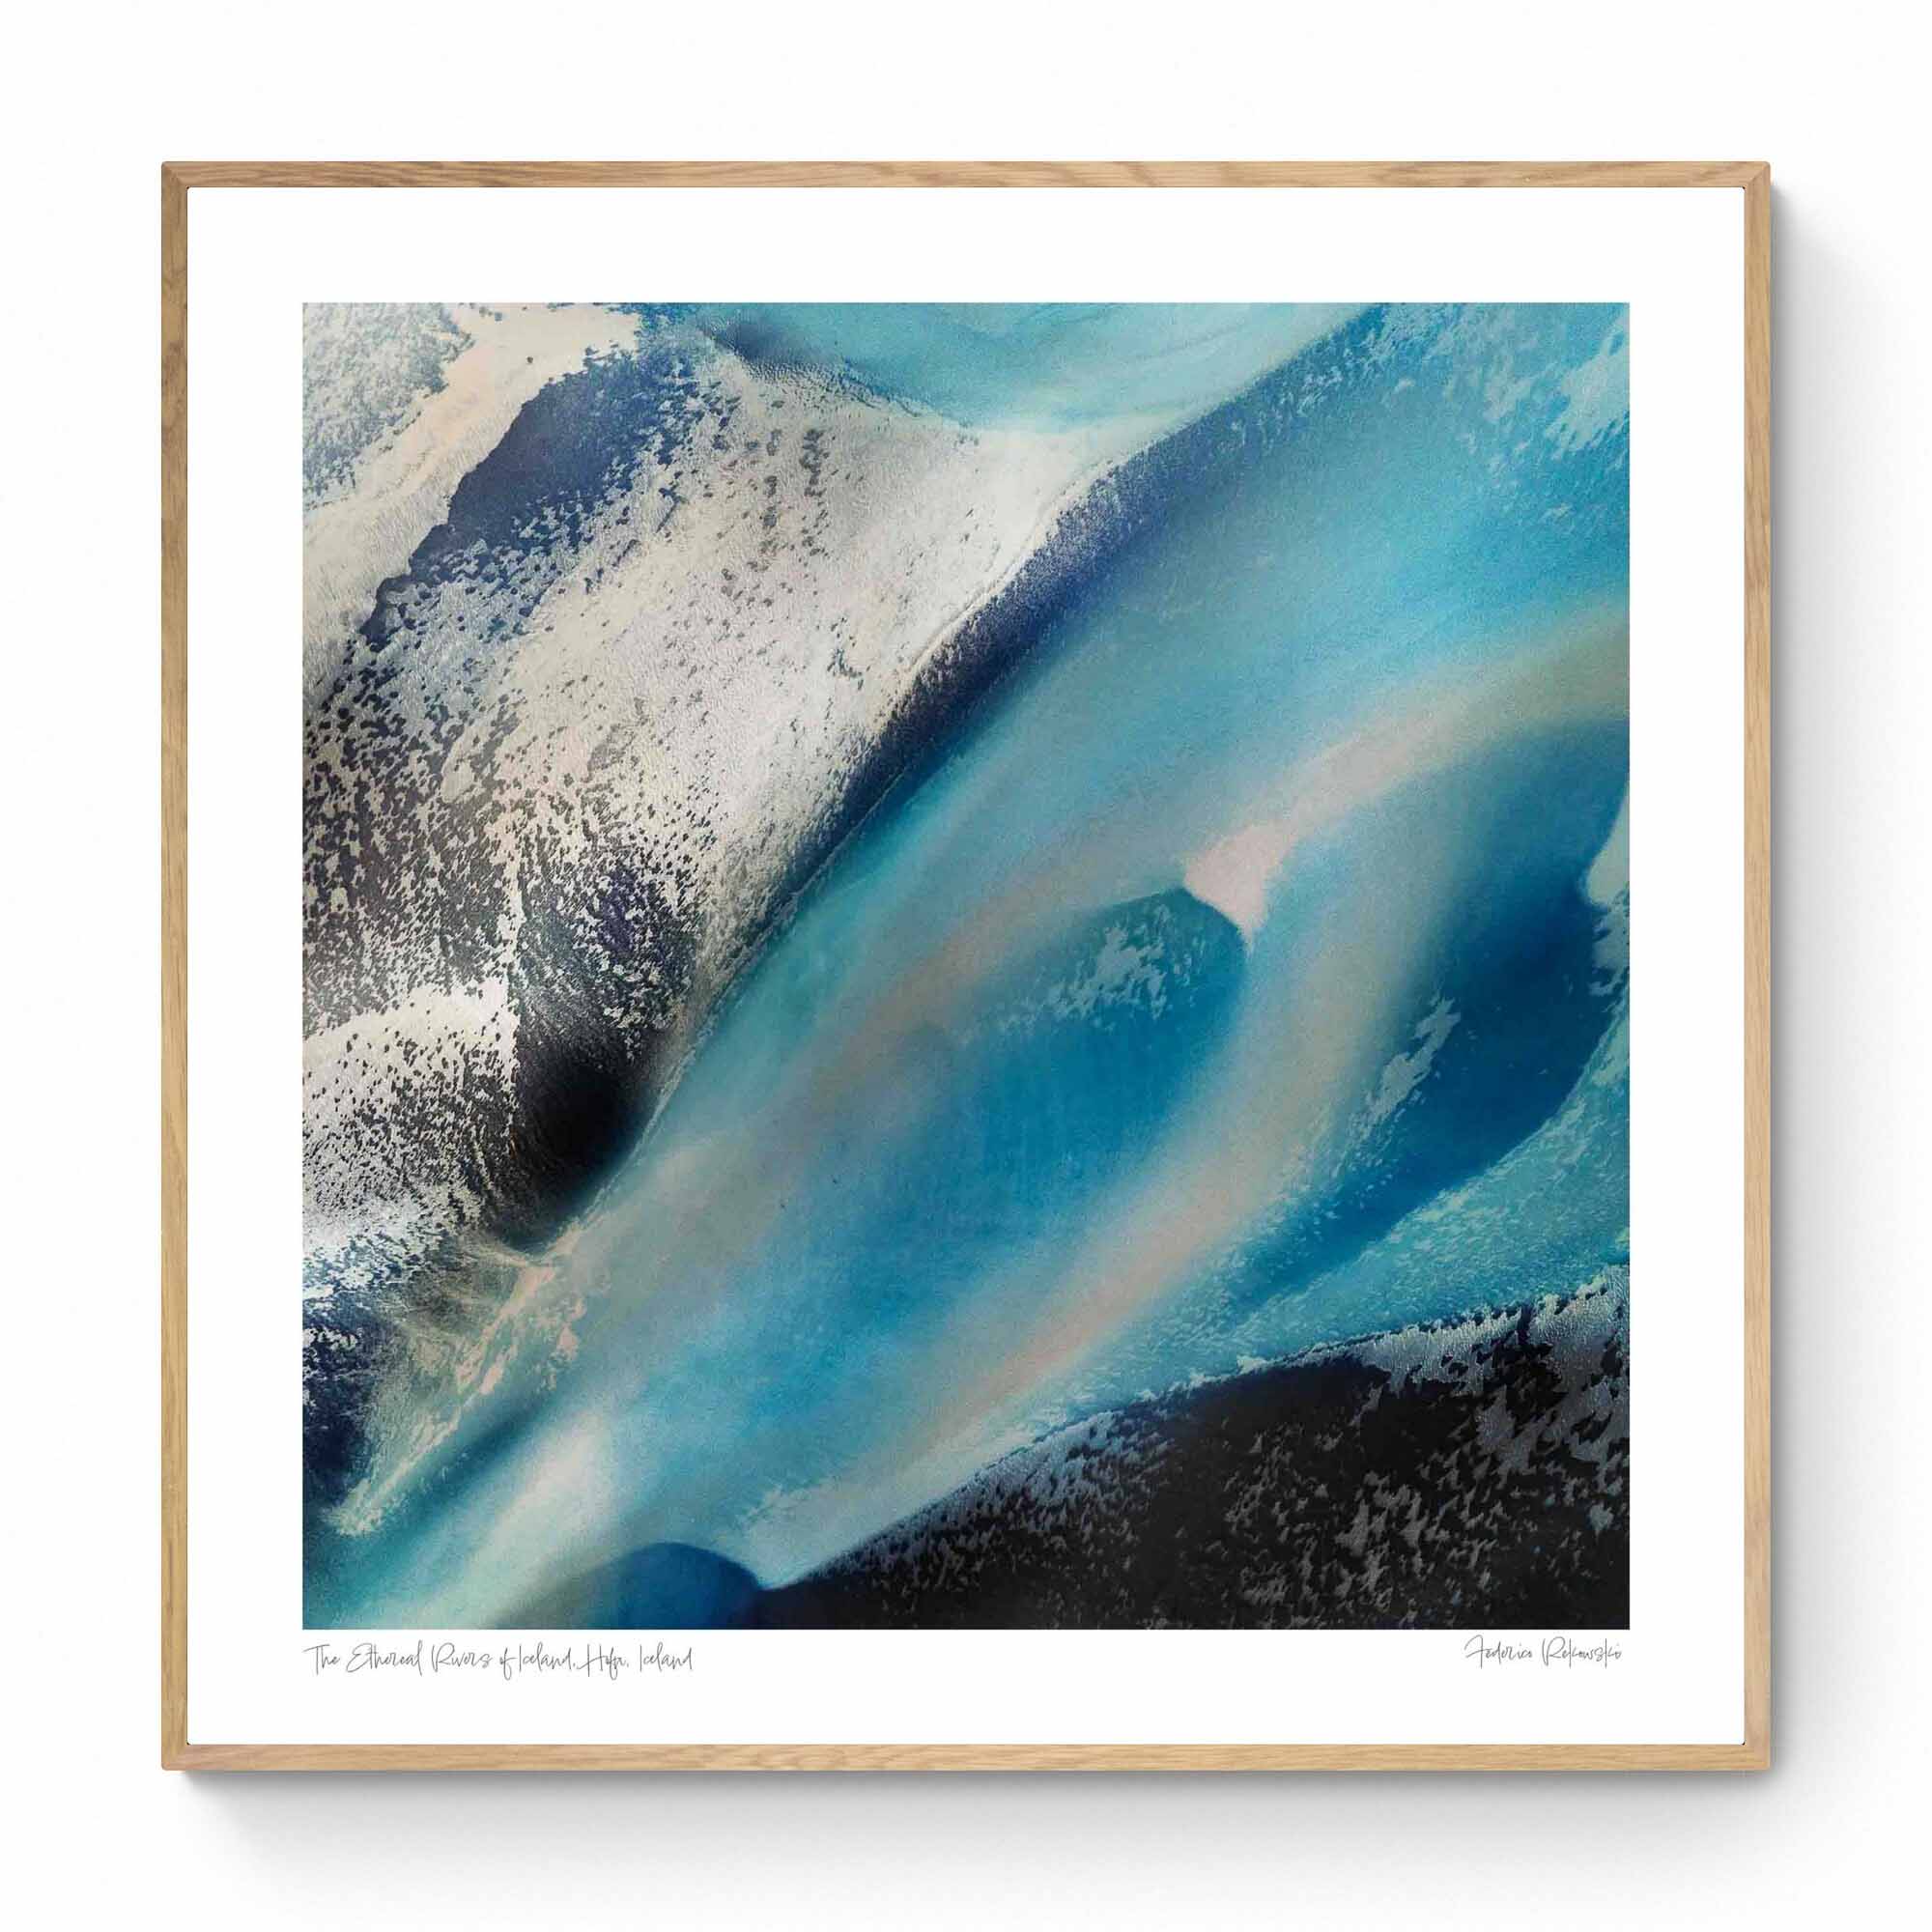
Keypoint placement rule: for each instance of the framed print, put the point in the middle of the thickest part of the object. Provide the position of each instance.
(1030, 908)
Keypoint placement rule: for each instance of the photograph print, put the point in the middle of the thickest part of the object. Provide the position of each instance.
(965, 966)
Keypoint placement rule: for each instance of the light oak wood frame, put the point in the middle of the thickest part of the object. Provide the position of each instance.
(1753, 181)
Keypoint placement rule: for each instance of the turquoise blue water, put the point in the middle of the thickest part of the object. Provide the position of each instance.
(1244, 972)
(1047, 365)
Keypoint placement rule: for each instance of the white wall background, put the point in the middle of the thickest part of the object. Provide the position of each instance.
(97, 97)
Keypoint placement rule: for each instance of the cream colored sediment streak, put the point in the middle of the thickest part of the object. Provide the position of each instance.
(402, 489)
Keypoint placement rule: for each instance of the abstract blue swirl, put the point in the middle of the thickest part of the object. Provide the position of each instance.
(1004, 977)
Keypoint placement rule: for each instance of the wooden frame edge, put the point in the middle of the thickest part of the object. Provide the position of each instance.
(1757, 965)
(968, 1757)
(966, 174)
(1753, 1753)
(174, 966)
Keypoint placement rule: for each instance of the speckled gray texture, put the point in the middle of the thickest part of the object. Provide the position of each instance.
(1433, 1478)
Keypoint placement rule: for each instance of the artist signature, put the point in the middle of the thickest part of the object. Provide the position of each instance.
(1551, 1652)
